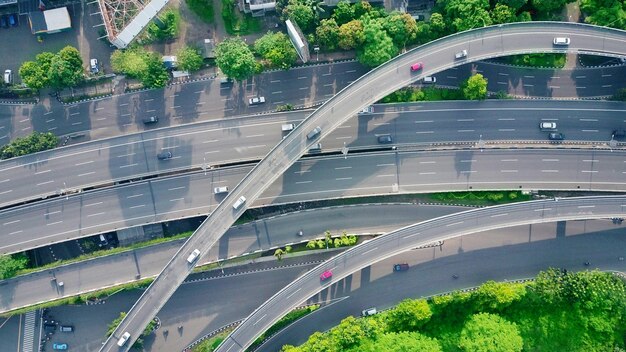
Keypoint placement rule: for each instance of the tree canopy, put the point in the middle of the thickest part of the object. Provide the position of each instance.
(189, 59)
(35, 142)
(139, 63)
(486, 332)
(276, 49)
(475, 87)
(235, 59)
(60, 70)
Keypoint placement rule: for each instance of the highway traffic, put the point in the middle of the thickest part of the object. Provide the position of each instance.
(442, 228)
(397, 172)
(521, 37)
(67, 170)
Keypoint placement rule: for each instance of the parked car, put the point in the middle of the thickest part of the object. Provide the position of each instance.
(619, 133)
(326, 275)
(256, 100)
(4, 23)
(59, 346)
(66, 328)
(556, 136)
(8, 77)
(369, 311)
(150, 119)
(385, 139)
(401, 267)
(93, 66)
(164, 155)
(13, 20)
(225, 81)
(545, 126)
(417, 66)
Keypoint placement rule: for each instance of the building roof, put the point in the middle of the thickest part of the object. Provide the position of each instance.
(208, 49)
(138, 23)
(37, 22)
(57, 19)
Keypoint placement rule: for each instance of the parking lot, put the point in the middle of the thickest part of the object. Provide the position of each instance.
(83, 36)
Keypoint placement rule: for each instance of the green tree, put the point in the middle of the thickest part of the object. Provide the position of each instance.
(514, 4)
(33, 75)
(401, 342)
(498, 295)
(343, 13)
(328, 34)
(610, 13)
(301, 13)
(547, 7)
(235, 59)
(130, 62)
(347, 334)
(11, 264)
(378, 46)
(486, 332)
(475, 88)
(72, 56)
(351, 34)
(467, 14)
(409, 315)
(402, 28)
(502, 14)
(276, 49)
(361, 8)
(62, 74)
(155, 75)
(189, 59)
(437, 25)
(35, 142)
(171, 24)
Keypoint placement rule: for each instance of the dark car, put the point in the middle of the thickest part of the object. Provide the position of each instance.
(13, 20)
(164, 155)
(385, 139)
(150, 119)
(619, 133)
(3, 22)
(556, 136)
(401, 267)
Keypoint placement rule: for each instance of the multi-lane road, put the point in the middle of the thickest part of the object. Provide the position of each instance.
(250, 138)
(443, 228)
(189, 195)
(436, 56)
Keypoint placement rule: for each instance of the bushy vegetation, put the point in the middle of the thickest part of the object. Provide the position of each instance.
(409, 94)
(60, 70)
(344, 240)
(189, 59)
(202, 8)
(141, 64)
(33, 143)
(276, 50)
(170, 24)
(609, 13)
(235, 59)
(538, 60)
(481, 197)
(237, 23)
(559, 311)
(10, 264)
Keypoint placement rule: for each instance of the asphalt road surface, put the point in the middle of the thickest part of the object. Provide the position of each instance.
(436, 56)
(514, 253)
(109, 117)
(253, 237)
(383, 247)
(364, 174)
(204, 145)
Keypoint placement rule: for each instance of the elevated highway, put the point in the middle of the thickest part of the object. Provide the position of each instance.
(436, 56)
(439, 229)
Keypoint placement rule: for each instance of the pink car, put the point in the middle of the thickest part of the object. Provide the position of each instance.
(326, 275)
(417, 66)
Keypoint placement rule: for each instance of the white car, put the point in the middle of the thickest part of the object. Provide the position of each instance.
(193, 256)
(256, 100)
(122, 341)
(547, 126)
(561, 41)
(367, 110)
(8, 77)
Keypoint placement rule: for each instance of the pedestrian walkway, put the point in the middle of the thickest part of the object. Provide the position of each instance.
(30, 325)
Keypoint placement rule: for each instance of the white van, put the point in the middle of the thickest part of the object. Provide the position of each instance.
(369, 311)
(287, 127)
(222, 189)
(193, 256)
(122, 341)
(239, 202)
